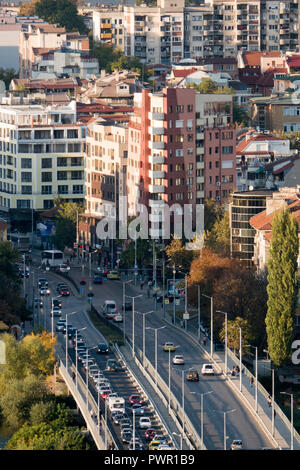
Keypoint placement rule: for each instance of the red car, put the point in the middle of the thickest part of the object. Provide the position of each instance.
(135, 399)
(64, 292)
(150, 434)
(105, 394)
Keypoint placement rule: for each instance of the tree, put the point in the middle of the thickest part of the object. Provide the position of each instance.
(143, 254)
(28, 8)
(282, 286)
(240, 115)
(179, 255)
(61, 12)
(209, 86)
(7, 75)
(8, 257)
(218, 237)
(233, 333)
(66, 224)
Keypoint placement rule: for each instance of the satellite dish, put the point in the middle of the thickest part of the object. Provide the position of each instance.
(251, 188)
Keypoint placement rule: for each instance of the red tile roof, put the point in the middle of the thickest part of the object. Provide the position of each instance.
(182, 73)
(253, 58)
(293, 61)
(256, 138)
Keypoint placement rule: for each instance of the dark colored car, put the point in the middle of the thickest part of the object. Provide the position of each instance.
(150, 434)
(42, 282)
(102, 348)
(61, 285)
(56, 303)
(192, 375)
(98, 278)
(64, 291)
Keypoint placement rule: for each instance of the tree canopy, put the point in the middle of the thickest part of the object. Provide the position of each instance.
(66, 223)
(61, 12)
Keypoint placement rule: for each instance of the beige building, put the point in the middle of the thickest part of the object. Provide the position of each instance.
(276, 113)
(108, 26)
(42, 155)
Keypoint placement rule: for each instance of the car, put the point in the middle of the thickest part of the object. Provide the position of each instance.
(125, 420)
(22, 275)
(105, 394)
(153, 445)
(144, 422)
(178, 359)
(44, 291)
(126, 435)
(56, 302)
(135, 398)
(137, 409)
(118, 318)
(97, 278)
(137, 446)
(116, 416)
(165, 447)
(111, 314)
(103, 388)
(102, 348)
(56, 311)
(150, 434)
(64, 291)
(113, 275)
(60, 325)
(60, 285)
(169, 347)
(42, 282)
(111, 365)
(39, 302)
(236, 444)
(71, 332)
(103, 384)
(207, 369)
(126, 425)
(127, 305)
(63, 268)
(161, 439)
(108, 307)
(192, 375)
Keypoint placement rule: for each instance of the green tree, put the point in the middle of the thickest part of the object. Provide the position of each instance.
(233, 333)
(218, 238)
(62, 12)
(66, 223)
(240, 115)
(282, 286)
(7, 75)
(8, 258)
(179, 255)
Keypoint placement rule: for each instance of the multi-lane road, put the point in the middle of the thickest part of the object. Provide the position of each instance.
(240, 423)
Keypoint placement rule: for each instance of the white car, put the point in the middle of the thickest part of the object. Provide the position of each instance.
(178, 359)
(236, 444)
(207, 369)
(145, 422)
(64, 268)
(44, 291)
(56, 311)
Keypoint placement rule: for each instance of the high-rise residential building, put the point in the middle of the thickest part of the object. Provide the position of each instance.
(108, 26)
(42, 155)
(181, 150)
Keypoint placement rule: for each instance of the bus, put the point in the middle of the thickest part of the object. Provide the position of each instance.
(20, 241)
(52, 258)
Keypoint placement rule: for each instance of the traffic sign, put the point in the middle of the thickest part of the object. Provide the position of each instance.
(167, 301)
(186, 316)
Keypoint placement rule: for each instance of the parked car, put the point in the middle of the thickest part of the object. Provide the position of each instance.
(135, 398)
(236, 444)
(102, 348)
(178, 359)
(145, 422)
(207, 369)
(192, 375)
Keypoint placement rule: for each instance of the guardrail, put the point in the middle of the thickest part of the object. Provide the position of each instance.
(154, 407)
(192, 437)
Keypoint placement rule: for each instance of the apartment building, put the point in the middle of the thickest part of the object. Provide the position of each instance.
(181, 149)
(45, 37)
(108, 26)
(280, 113)
(42, 155)
(106, 161)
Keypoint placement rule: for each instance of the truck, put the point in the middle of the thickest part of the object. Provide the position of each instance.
(116, 404)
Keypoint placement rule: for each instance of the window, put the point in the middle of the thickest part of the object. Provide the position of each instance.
(62, 175)
(26, 177)
(46, 176)
(72, 134)
(48, 204)
(179, 138)
(227, 150)
(23, 203)
(190, 108)
(179, 109)
(58, 134)
(76, 161)
(62, 161)
(46, 162)
(60, 148)
(26, 163)
(74, 148)
(46, 189)
(77, 189)
(26, 189)
(76, 175)
(179, 124)
(42, 134)
(179, 152)
(63, 189)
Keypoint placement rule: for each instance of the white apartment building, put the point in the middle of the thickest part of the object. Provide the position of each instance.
(52, 63)
(41, 155)
(108, 26)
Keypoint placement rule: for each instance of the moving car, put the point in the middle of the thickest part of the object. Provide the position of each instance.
(154, 445)
(145, 422)
(178, 359)
(137, 409)
(56, 311)
(136, 446)
(135, 398)
(169, 347)
(97, 278)
(108, 307)
(44, 291)
(113, 275)
(127, 305)
(150, 434)
(117, 416)
(161, 439)
(39, 302)
(236, 444)
(105, 394)
(207, 369)
(60, 325)
(111, 365)
(192, 375)
(64, 291)
(42, 282)
(126, 435)
(118, 318)
(165, 447)
(60, 285)
(56, 303)
(102, 348)
(63, 268)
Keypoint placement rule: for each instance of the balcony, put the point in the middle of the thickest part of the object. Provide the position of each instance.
(156, 174)
(156, 159)
(156, 189)
(156, 130)
(157, 116)
(156, 145)
(200, 135)
(156, 203)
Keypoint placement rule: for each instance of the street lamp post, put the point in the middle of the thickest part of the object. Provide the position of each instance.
(256, 375)
(211, 323)
(292, 417)
(67, 336)
(226, 339)
(169, 397)
(124, 311)
(87, 377)
(133, 318)
(202, 413)
(133, 434)
(144, 344)
(225, 413)
(199, 313)
(273, 396)
(179, 435)
(174, 296)
(155, 330)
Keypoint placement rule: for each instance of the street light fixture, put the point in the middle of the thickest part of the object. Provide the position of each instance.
(67, 336)
(225, 413)
(179, 435)
(87, 377)
(211, 322)
(202, 413)
(76, 356)
(124, 311)
(144, 345)
(155, 330)
(182, 395)
(133, 338)
(292, 417)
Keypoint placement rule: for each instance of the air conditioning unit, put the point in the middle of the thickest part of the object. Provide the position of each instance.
(218, 183)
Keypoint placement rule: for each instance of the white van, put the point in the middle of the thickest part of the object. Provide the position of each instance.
(109, 307)
(116, 404)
